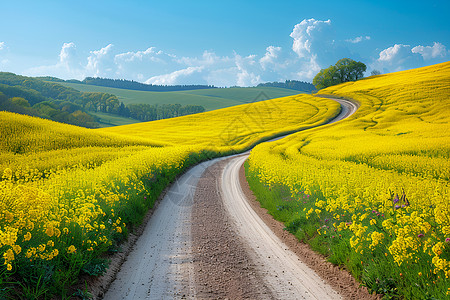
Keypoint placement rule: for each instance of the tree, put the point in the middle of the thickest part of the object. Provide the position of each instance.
(344, 70)
(375, 72)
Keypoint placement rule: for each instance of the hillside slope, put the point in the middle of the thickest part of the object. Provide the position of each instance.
(211, 99)
(236, 127)
(372, 192)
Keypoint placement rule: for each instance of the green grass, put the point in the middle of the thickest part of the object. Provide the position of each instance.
(210, 99)
(108, 120)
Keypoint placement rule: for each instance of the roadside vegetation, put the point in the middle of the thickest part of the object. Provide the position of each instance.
(371, 192)
(70, 195)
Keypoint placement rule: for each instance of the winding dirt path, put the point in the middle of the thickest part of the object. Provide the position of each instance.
(206, 241)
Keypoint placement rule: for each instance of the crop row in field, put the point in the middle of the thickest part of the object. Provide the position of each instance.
(68, 194)
(372, 191)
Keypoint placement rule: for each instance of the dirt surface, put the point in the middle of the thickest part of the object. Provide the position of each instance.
(223, 268)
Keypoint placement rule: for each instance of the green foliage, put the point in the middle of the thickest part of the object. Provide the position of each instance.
(96, 267)
(344, 70)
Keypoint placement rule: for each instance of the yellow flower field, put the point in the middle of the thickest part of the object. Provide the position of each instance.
(69, 194)
(238, 127)
(378, 180)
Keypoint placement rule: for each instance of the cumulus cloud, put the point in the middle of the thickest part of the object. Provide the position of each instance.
(430, 52)
(396, 52)
(100, 61)
(306, 33)
(67, 56)
(247, 70)
(271, 57)
(401, 57)
(174, 77)
(358, 39)
(2, 45)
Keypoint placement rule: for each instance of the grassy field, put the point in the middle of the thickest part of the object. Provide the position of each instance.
(372, 192)
(70, 194)
(210, 99)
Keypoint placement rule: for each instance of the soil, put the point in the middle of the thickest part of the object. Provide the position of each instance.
(223, 268)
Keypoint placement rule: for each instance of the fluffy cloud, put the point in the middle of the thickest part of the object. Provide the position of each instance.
(396, 52)
(401, 57)
(358, 39)
(2, 45)
(430, 52)
(306, 33)
(247, 70)
(271, 57)
(100, 62)
(67, 56)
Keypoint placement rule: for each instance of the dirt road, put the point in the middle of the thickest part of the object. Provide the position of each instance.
(205, 241)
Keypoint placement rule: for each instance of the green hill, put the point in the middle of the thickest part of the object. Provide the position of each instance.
(210, 99)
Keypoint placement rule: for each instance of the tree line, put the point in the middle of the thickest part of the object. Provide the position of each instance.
(291, 84)
(131, 84)
(50, 100)
(344, 70)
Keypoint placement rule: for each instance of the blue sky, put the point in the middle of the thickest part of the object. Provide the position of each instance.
(217, 42)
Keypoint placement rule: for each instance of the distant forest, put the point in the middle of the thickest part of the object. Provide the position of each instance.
(131, 84)
(138, 86)
(291, 84)
(50, 100)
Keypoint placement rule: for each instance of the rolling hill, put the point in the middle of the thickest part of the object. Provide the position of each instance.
(210, 99)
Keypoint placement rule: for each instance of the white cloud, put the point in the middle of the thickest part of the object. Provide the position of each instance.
(150, 54)
(246, 69)
(358, 39)
(315, 48)
(305, 33)
(396, 52)
(174, 77)
(2, 45)
(67, 65)
(430, 52)
(100, 61)
(308, 70)
(402, 57)
(67, 55)
(271, 56)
